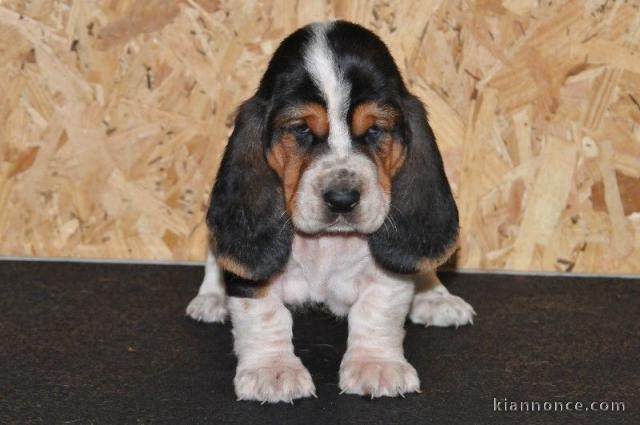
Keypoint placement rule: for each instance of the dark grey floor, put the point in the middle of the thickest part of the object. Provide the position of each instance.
(109, 344)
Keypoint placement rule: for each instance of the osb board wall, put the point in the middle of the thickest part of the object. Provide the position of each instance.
(114, 114)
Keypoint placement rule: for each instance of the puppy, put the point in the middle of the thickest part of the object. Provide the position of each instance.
(331, 190)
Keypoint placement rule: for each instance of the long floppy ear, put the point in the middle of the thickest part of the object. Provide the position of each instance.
(422, 225)
(251, 234)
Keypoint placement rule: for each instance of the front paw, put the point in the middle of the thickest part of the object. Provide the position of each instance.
(283, 380)
(378, 378)
(208, 308)
(434, 308)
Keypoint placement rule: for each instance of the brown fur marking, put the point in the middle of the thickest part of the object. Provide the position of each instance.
(234, 267)
(289, 163)
(312, 114)
(429, 264)
(285, 157)
(389, 158)
(263, 291)
(390, 154)
(368, 114)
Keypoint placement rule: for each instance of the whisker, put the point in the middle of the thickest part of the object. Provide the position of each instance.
(287, 221)
(393, 223)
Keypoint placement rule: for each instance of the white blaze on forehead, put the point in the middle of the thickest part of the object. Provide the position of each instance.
(321, 64)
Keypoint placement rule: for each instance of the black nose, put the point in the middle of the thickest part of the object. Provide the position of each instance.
(341, 201)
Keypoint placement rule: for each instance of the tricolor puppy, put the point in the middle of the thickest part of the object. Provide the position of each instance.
(331, 190)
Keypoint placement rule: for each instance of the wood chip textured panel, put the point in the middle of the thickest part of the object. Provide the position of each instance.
(114, 115)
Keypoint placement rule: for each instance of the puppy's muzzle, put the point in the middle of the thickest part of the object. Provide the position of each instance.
(342, 194)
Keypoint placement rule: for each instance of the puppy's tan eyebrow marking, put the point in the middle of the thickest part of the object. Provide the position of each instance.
(368, 114)
(313, 114)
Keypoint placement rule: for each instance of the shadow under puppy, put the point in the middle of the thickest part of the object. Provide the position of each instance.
(331, 190)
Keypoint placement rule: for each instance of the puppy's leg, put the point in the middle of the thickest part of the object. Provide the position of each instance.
(268, 370)
(433, 305)
(210, 303)
(374, 363)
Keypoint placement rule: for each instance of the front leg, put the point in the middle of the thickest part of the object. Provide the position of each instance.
(374, 363)
(210, 305)
(434, 305)
(268, 370)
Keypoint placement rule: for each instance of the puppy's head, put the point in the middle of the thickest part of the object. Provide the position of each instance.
(331, 142)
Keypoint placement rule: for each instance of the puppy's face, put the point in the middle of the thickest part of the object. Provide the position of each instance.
(336, 173)
(336, 141)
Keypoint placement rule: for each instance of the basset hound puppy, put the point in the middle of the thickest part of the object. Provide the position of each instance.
(331, 190)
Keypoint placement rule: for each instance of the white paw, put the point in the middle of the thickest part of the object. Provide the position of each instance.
(378, 378)
(283, 380)
(208, 308)
(440, 308)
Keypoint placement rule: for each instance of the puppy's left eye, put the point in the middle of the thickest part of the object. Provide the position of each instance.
(373, 134)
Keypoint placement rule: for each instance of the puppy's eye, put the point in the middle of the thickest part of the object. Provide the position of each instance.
(373, 134)
(302, 134)
(300, 130)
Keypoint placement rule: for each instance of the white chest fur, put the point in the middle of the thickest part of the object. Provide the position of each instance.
(329, 269)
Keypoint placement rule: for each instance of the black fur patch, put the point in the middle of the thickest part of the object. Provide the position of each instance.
(240, 287)
(247, 215)
(423, 220)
